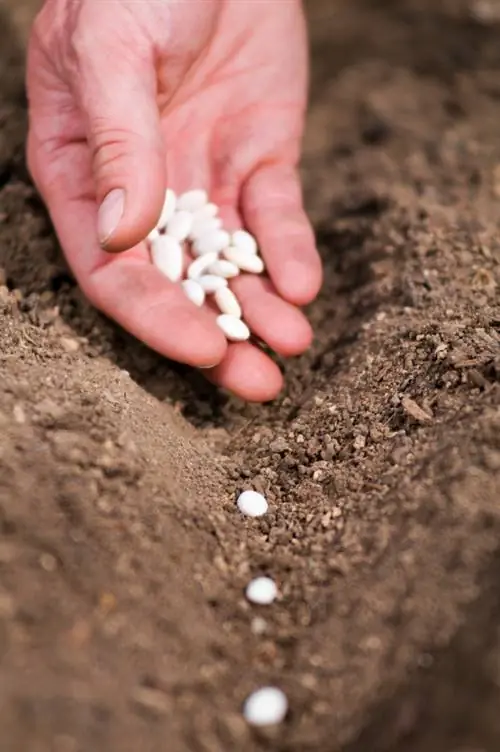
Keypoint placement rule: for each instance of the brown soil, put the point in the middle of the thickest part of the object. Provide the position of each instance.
(122, 559)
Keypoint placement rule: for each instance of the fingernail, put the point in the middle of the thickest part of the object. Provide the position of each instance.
(110, 214)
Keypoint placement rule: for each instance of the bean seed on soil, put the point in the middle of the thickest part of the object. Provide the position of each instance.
(265, 707)
(261, 590)
(252, 503)
(235, 329)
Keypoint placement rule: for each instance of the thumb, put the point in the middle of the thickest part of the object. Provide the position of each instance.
(116, 89)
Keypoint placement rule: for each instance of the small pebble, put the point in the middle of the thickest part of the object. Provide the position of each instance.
(192, 201)
(247, 262)
(214, 241)
(48, 562)
(211, 283)
(258, 625)
(244, 241)
(167, 256)
(19, 414)
(265, 707)
(153, 700)
(225, 269)
(262, 591)
(69, 344)
(227, 301)
(194, 291)
(234, 328)
(179, 225)
(198, 267)
(252, 503)
(168, 209)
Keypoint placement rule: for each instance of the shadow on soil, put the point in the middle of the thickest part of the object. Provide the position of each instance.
(434, 711)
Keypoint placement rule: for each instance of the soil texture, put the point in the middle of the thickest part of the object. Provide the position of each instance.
(123, 560)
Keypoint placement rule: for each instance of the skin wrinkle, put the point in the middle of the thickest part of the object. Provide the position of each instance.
(111, 145)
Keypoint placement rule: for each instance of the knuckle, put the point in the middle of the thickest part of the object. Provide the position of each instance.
(42, 31)
(49, 35)
(122, 32)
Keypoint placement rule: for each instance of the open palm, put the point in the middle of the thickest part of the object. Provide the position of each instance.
(127, 97)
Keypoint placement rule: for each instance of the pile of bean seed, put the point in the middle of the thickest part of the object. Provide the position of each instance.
(190, 245)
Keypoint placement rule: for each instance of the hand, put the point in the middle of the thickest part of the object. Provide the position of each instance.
(127, 97)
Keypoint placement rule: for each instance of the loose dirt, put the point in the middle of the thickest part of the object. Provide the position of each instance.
(123, 625)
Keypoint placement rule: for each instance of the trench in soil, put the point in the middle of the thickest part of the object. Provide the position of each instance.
(123, 561)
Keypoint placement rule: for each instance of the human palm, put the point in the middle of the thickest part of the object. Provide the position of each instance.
(127, 97)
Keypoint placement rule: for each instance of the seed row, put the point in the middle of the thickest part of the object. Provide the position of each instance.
(267, 705)
(190, 245)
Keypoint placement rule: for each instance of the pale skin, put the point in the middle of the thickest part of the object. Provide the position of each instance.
(127, 96)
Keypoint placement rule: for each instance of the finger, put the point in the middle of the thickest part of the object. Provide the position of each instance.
(146, 304)
(248, 373)
(122, 128)
(282, 326)
(273, 211)
(127, 288)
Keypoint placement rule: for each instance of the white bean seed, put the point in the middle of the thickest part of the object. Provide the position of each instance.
(153, 235)
(265, 707)
(224, 269)
(244, 241)
(214, 241)
(227, 301)
(168, 208)
(167, 256)
(194, 291)
(211, 283)
(252, 503)
(247, 262)
(192, 201)
(179, 225)
(235, 329)
(198, 267)
(262, 591)
(199, 229)
(209, 211)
